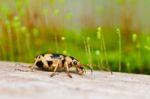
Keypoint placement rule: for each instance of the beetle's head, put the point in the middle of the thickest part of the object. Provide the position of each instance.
(79, 67)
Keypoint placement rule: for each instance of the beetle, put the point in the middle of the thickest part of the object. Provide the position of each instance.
(55, 61)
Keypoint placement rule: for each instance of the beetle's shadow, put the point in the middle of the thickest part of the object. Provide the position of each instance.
(24, 68)
(58, 71)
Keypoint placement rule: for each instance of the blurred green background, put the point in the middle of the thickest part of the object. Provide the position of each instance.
(106, 33)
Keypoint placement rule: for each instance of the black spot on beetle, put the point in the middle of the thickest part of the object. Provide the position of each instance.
(55, 55)
(63, 61)
(43, 55)
(39, 64)
(81, 67)
(49, 63)
(72, 57)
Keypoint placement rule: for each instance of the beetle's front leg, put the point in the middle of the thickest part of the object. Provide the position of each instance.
(67, 70)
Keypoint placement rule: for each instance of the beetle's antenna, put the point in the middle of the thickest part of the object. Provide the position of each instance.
(88, 67)
(108, 69)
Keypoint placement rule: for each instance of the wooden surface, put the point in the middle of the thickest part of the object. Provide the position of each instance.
(100, 85)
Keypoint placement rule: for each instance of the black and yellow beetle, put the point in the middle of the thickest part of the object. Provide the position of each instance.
(54, 62)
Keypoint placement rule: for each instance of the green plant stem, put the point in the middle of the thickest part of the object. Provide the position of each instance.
(105, 53)
(10, 41)
(119, 37)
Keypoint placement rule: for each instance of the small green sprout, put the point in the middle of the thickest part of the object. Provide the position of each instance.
(134, 37)
(98, 32)
(119, 36)
(63, 38)
(97, 52)
(56, 12)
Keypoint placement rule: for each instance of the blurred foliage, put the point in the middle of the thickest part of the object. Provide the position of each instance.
(32, 27)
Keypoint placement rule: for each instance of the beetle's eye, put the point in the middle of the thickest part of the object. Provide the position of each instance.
(75, 62)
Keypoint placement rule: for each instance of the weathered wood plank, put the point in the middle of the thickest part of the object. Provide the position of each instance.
(100, 85)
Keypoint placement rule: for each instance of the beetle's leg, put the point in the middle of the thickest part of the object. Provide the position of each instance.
(67, 70)
(33, 66)
(56, 66)
(43, 61)
(84, 70)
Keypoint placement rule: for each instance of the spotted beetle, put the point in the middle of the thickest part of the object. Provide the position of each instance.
(54, 61)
